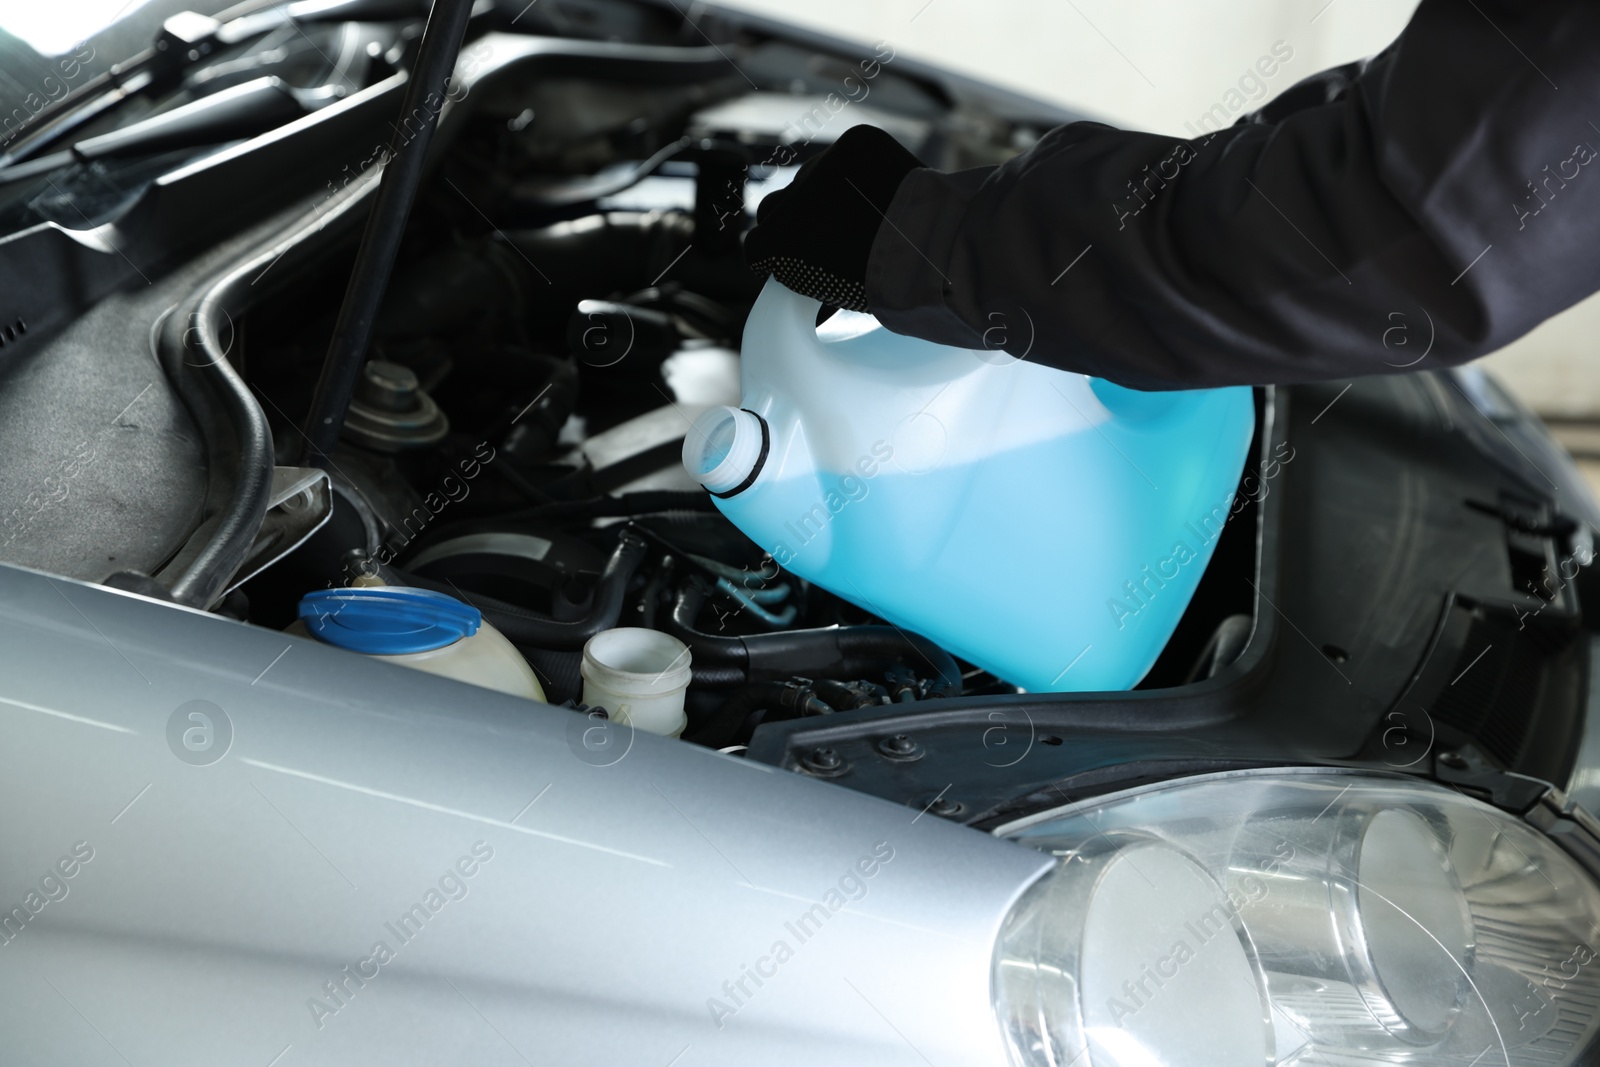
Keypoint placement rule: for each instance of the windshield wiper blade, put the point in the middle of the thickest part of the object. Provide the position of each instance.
(238, 112)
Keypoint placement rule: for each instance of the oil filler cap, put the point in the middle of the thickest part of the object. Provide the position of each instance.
(387, 621)
(390, 411)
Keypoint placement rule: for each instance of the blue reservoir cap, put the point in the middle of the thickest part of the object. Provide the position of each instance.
(387, 620)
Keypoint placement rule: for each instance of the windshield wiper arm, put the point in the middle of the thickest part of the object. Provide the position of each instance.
(241, 111)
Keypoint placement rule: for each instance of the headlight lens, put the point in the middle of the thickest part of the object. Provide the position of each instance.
(1281, 918)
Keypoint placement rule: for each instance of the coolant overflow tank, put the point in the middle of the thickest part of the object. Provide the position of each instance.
(1046, 526)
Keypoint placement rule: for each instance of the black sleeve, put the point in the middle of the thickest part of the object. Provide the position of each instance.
(1416, 211)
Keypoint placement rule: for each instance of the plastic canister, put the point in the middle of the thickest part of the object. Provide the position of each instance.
(1046, 526)
(639, 676)
(421, 629)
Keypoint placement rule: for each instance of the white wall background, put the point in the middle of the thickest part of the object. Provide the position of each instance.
(1157, 64)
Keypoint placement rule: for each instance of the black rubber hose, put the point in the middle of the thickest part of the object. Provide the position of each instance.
(715, 677)
(238, 439)
(727, 655)
(380, 241)
(597, 189)
(828, 652)
(607, 252)
(631, 505)
(537, 630)
(730, 724)
(560, 673)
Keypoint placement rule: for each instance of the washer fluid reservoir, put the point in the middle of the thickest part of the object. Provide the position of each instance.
(418, 628)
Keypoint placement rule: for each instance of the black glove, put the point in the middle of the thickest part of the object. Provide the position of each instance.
(815, 236)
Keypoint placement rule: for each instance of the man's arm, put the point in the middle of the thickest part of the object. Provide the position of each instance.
(1445, 203)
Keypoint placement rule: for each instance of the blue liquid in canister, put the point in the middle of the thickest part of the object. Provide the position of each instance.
(1045, 526)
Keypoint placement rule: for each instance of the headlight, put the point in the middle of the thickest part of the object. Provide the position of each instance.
(1278, 918)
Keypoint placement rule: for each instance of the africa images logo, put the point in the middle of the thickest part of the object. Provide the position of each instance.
(199, 733)
(852, 886)
(52, 888)
(341, 989)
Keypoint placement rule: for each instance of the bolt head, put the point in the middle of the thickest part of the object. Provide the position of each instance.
(901, 747)
(823, 761)
(941, 806)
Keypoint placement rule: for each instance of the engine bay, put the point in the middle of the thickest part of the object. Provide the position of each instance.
(514, 440)
(569, 294)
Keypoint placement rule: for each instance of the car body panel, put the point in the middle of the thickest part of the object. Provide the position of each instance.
(220, 897)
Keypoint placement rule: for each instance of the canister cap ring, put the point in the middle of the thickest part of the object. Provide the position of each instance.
(726, 448)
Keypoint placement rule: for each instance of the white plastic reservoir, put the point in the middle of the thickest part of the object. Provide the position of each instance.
(1048, 527)
(421, 629)
(639, 676)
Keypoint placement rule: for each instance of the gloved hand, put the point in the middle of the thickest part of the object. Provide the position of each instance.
(815, 236)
